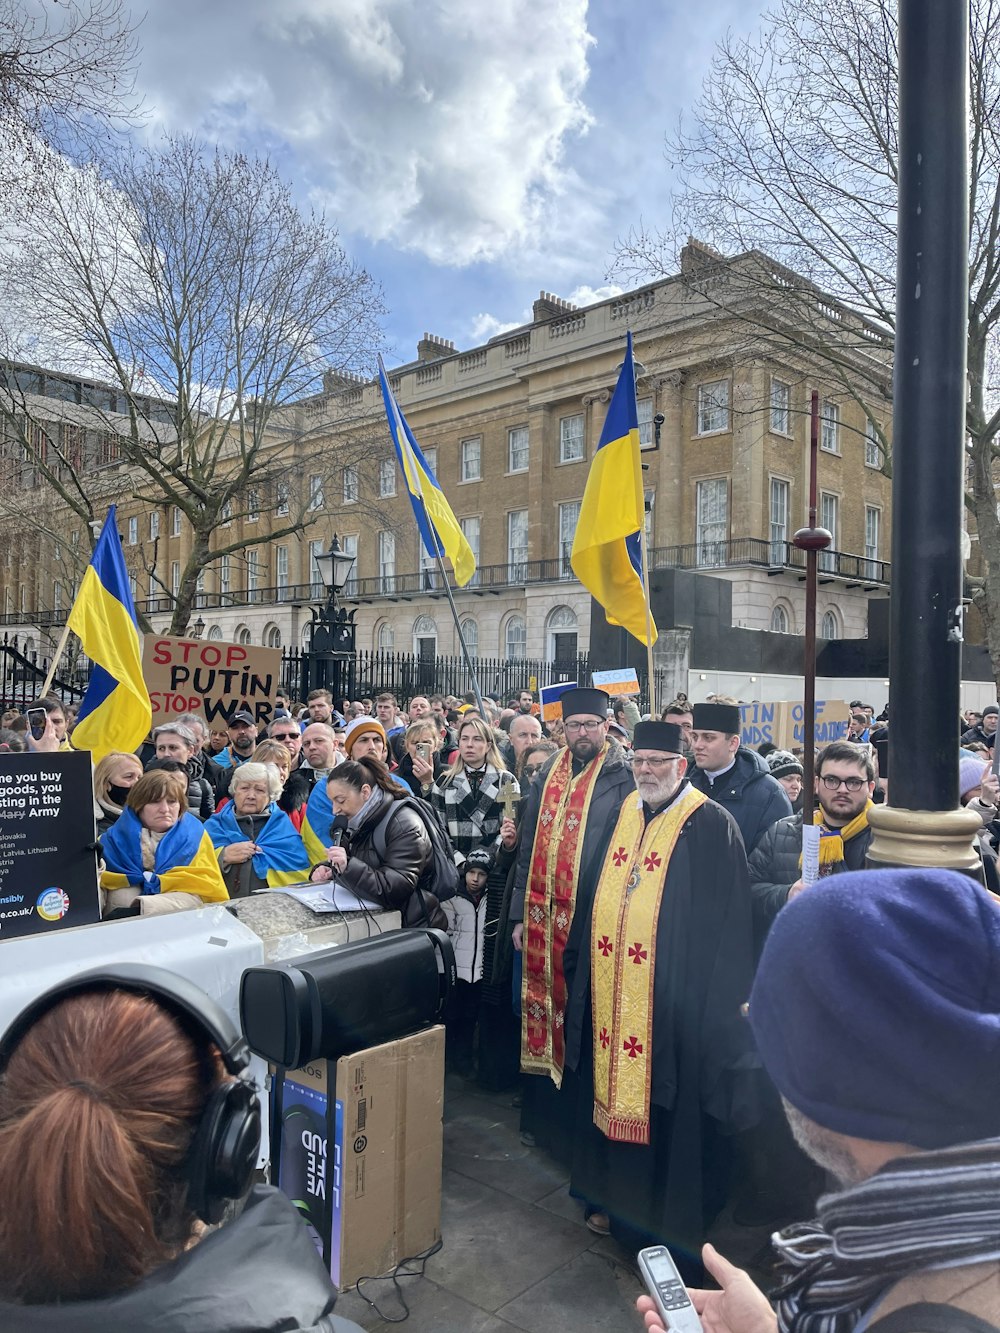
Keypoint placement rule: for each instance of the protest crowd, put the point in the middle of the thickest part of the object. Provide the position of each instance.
(622, 886)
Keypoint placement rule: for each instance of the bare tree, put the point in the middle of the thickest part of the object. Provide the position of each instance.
(190, 282)
(67, 75)
(790, 163)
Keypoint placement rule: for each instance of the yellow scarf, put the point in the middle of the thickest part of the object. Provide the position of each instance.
(831, 843)
(623, 958)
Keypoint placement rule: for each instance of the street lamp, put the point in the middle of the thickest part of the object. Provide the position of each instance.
(330, 660)
(196, 629)
(334, 569)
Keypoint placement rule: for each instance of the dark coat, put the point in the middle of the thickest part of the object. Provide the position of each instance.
(613, 784)
(753, 798)
(404, 770)
(392, 880)
(258, 1273)
(976, 736)
(776, 863)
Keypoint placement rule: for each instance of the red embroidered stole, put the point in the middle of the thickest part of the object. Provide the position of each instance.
(623, 961)
(548, 912)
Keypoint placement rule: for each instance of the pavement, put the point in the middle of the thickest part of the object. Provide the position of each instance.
(516, 1254)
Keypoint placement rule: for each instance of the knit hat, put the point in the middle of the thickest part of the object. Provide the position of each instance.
(876, 1006)
(990, 708)
(360, 727)
(970, 773)
(782, 764)
(480, 858)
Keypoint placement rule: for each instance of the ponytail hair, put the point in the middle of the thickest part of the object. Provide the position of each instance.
(99, 1103)
(357, 773)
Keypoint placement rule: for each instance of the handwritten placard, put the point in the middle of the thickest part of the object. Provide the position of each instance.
(782, 723)
(209, 678)
(616, 682)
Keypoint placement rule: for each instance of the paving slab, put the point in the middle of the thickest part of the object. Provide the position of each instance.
(483, 1145)
(591, 1292)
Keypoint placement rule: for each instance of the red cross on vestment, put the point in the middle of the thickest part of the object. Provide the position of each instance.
(620, 857)
(653, 861)
(637, 953)
(605, 946)
(605, 1038)
(632, 1047)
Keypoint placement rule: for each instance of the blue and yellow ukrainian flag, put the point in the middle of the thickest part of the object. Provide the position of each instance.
(607, 555)
(115, 713)
(440, 531)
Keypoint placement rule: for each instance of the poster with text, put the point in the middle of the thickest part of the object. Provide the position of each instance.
(48, 858)
(210, 678)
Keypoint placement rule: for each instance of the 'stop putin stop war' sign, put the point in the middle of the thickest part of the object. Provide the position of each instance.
(209, 678)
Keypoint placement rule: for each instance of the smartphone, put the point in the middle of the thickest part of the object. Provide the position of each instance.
(663, 1282)
(424, 750)
(37, 718)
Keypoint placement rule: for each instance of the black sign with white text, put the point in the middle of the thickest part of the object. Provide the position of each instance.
(48, 863)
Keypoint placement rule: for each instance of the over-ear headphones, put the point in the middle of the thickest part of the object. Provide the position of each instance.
(223, 1154)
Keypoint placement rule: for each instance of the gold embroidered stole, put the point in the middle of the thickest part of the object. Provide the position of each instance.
(548, 912)
(623, 958)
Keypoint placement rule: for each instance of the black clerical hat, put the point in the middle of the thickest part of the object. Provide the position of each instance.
(586, 702)
(654, 735)
(716, 717)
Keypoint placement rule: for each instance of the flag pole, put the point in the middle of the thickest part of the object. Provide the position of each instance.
(54, 663)
(649, 618)
(458, 628)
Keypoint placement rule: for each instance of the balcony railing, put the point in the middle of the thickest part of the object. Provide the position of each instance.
(742, 552)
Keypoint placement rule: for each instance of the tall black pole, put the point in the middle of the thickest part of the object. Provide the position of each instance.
(929, 397)
(812, 540)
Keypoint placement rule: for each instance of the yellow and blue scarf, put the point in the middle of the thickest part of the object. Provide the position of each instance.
(282, 859)
(185, 860)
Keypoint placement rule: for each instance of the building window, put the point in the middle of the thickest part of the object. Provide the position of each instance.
(425, 638)
(133, 532)
(829, 514)
(712, 521)
(281, 572)
(779, 520)
(644, 407)
(175, 577)
(226, 512)
(387, 560)
(387, 478)
(830, 626)
(133, 587)
(470, 453)
(385, 639)
(569, 515)
(829, 420)
(272, 637)
(517, 545)
(350, 485)
(253, 573)
(471, 528)
(516, 639)
(431, 459)
(243, 636)
(781, 397)
(315, 492)
(349, 545)
(224, 575)
(253, 506)
(215, 633)
(779, 620)
(316, 585)
(175, 521)
(154, 525)
(873, 527)
(561, 627)
(57, 596)
(648, 501)
(873, 448)
(517, 449)
(713, 407)
(199, 586)
(571, 447)
(281, 499)
(470, 633)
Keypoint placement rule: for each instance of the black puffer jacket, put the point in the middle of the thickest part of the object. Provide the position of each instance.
(753, 798)
(393, 879)
(258, 1273)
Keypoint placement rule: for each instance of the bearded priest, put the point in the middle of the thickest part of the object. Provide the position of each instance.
(655, 1035)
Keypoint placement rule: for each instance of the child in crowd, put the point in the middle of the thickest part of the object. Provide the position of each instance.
(466, 914)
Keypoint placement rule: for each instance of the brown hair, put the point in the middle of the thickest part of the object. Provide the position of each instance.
(98, 1106)
(846, 752)
(272, 752)
(425, 728)
(358, 772)
(159, 785)
(103, 770)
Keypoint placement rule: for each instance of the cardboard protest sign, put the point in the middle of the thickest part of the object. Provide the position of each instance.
(782, 723)
(616, 682)
(210, 678)
(48, 861)
(551, 697)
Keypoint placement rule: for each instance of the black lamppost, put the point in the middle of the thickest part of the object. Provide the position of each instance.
(331, 658)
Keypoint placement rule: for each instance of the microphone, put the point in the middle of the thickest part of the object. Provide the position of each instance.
(337, 830)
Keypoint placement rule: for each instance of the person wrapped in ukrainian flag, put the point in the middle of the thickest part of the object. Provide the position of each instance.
(158, 857)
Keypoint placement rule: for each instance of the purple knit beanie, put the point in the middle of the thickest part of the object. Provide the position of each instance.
(876, 1006)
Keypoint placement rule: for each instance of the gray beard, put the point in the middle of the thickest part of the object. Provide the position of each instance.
(824, 1147)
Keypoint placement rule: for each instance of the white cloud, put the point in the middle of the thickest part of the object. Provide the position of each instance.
(483, 327)
(586, 295)
(442, 129)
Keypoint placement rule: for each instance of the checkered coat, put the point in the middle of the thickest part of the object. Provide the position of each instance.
(471, 820)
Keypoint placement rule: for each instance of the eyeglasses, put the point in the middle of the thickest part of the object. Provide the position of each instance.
(644, 761)
(529, 770)
(833, 784)
(573, 727)
(286, 735)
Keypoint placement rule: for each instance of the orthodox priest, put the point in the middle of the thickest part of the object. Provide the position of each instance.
(570, 811)
(656, 979)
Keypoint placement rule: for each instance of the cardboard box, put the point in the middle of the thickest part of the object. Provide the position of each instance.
(381, 1202)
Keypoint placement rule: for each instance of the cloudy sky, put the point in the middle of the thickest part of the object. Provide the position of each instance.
(472, 152)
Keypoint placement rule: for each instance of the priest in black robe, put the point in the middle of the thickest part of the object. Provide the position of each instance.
(656, 1041)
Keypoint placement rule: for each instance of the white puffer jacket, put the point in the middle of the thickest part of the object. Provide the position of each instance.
(466, 928)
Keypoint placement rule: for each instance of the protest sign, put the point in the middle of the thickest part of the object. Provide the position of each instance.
(551, 697)
(781, 723)
(211, 679)
(616, 682)
(48, 861)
